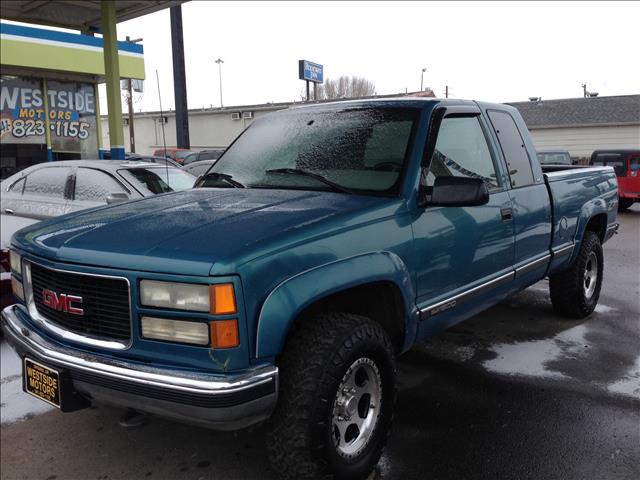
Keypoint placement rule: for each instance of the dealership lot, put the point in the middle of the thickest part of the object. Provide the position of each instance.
(515, 392)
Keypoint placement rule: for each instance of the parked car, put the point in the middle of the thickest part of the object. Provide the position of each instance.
(176, 154)
(198, 168)
(54, 188)
(203, 155)
(626, 164)
(138, 157)
(284, 285)
(554, 157)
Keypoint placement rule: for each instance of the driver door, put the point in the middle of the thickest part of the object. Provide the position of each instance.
(461, 248)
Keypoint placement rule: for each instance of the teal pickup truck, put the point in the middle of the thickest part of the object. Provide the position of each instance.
(327, 240)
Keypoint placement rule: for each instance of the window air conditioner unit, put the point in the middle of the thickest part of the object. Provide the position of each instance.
(247, 114)
(235, 116)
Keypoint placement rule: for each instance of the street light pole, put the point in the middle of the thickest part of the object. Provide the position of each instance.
(220, 62)
(422, 79)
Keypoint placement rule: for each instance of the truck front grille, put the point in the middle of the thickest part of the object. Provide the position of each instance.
(105, 302)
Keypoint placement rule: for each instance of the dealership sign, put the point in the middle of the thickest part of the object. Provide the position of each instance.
(311, 72)
(69, 109)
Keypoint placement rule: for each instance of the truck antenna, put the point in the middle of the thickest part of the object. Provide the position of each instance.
(164, 141)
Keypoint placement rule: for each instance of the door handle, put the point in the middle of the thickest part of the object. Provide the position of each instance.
(506, 213)
(9, 211)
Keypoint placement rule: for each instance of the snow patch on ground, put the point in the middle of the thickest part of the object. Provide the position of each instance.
(15, 404)
(531, 358)
(629, 384)
(600, 308)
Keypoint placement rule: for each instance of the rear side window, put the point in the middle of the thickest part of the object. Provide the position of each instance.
(634, 164)
(47, 182)
(94, 185)
(513, 148)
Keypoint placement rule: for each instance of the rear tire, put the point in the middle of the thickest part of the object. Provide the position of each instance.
(337, 393)
(575, 292)
(624, 204)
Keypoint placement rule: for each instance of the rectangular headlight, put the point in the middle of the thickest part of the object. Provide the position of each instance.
(16, 287)
(179, 296)
(196, 333)
(15, 260)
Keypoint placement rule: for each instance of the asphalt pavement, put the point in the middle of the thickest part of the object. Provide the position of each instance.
(513, 393)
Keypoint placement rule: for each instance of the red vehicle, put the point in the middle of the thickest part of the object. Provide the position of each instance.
(176, 154)
(626, 163)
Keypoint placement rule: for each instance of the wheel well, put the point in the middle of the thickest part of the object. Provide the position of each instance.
(598, 225)
(379, 301)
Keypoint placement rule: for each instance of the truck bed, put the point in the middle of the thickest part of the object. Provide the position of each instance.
(568, 187)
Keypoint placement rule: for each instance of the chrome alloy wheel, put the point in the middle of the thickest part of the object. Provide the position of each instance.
(590, 275)
(356, 407)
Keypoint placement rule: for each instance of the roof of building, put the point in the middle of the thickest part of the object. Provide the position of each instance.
(571, 112)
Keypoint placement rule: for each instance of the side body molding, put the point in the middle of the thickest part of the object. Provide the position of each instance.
(293, 295)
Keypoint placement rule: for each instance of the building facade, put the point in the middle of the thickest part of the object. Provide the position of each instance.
(582, 125)
(49, 99)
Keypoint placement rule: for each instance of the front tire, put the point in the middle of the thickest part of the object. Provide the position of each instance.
(337, 393)
(575, 292)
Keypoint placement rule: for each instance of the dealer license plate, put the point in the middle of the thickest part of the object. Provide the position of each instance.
(42, 382)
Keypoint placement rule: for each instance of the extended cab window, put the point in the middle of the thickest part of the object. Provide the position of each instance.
(360, 150)
(513, 148)
(47, 182)
(462, 151)
(94, 185)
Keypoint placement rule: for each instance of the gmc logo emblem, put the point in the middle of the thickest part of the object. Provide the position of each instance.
(62, 302)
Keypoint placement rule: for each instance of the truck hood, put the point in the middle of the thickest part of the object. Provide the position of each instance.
(188, 232)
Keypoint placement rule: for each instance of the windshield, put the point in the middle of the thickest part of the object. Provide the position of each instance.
(359, 150)
(554, 158)
(154, 180)
(183, 153)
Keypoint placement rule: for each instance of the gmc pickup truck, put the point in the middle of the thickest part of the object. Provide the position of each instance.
(327, 240)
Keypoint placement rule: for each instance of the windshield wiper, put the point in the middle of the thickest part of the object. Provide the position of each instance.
(224, 177)
(320, 178)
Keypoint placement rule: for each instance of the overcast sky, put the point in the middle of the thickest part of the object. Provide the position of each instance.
(494, 51)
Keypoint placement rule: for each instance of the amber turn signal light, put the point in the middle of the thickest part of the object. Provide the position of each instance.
(223, 299)
(224, 334)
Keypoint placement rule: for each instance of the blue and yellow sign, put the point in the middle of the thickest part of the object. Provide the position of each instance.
(30, 47)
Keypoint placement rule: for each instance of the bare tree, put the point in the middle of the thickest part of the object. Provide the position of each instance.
(343, 87)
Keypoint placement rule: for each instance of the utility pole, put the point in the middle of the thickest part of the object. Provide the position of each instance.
(179, 79)
(220, 62)
(422, 79)
(446, 91)
(132, 140)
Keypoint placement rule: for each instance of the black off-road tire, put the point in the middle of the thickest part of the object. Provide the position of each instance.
(567, 289)
(317, 357)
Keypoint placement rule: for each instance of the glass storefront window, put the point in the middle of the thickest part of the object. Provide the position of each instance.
(22, 117)
(72, 118)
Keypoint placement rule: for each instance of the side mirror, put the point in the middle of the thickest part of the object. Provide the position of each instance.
(458, 192)
(117, 198)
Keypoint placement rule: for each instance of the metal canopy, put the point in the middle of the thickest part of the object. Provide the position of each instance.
(83, 15)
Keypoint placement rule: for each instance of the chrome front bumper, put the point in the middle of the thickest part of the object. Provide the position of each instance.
(222, 402)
